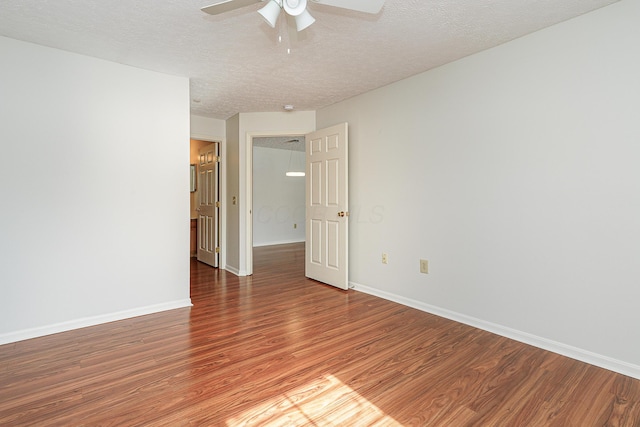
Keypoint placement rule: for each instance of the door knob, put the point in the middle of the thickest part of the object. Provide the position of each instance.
(342, 213)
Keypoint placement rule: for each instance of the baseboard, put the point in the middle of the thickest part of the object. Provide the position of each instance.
(233, 270)
(279, 242)
(90, 321)
(582, 355)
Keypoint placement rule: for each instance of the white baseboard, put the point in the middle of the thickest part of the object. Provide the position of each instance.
(591, 358)
(279, 242)
(233, 270)
(90, 321)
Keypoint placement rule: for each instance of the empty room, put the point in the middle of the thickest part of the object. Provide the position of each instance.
(466, 254)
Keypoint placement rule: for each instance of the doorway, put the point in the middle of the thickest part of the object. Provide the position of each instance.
(205, 201)
(278, 196)
(326, 204)
(246, 238)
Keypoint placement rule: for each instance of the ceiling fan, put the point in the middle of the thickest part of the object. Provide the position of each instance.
(295, 8)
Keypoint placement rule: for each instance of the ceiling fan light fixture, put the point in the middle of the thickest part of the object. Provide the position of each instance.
(270, 12)
(304, 20)
(294, 7)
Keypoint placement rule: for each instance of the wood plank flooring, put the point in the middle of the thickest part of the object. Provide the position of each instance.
(276, 349)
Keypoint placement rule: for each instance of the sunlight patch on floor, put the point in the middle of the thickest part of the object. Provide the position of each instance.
(326, 401)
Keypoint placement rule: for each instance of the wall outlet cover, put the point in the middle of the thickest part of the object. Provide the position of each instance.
(424, 266)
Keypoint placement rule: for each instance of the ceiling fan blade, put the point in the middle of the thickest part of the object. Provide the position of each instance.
(223, 6)
(368, 6)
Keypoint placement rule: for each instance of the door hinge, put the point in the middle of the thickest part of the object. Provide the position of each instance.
(217, 159)
(218, 250)
(217, 204)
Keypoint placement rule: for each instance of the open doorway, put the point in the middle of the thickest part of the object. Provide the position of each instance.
(326, 204)
(204, 202)
(278, 190)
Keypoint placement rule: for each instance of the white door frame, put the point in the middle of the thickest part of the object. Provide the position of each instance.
(249, 186)
(208, 208)
(222, 188)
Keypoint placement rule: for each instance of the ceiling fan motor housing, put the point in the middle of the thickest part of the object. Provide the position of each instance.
(294, 7)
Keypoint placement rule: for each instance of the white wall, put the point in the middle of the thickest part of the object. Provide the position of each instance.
(207, 129)
(278, 200)
(94, 183)
(231, 250)
(515, 172)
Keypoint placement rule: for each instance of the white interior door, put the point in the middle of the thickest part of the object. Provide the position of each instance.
(327, 206)
(208, 205)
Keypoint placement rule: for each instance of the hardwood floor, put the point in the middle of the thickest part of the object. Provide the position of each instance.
(276, 349)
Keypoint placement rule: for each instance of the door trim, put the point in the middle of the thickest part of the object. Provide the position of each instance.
(208, 230)
(222, 188)
(248, 241)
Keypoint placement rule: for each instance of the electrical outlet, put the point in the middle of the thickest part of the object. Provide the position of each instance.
(385, 258)
(424, 266)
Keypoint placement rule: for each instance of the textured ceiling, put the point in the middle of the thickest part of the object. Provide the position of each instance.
(235, 63)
